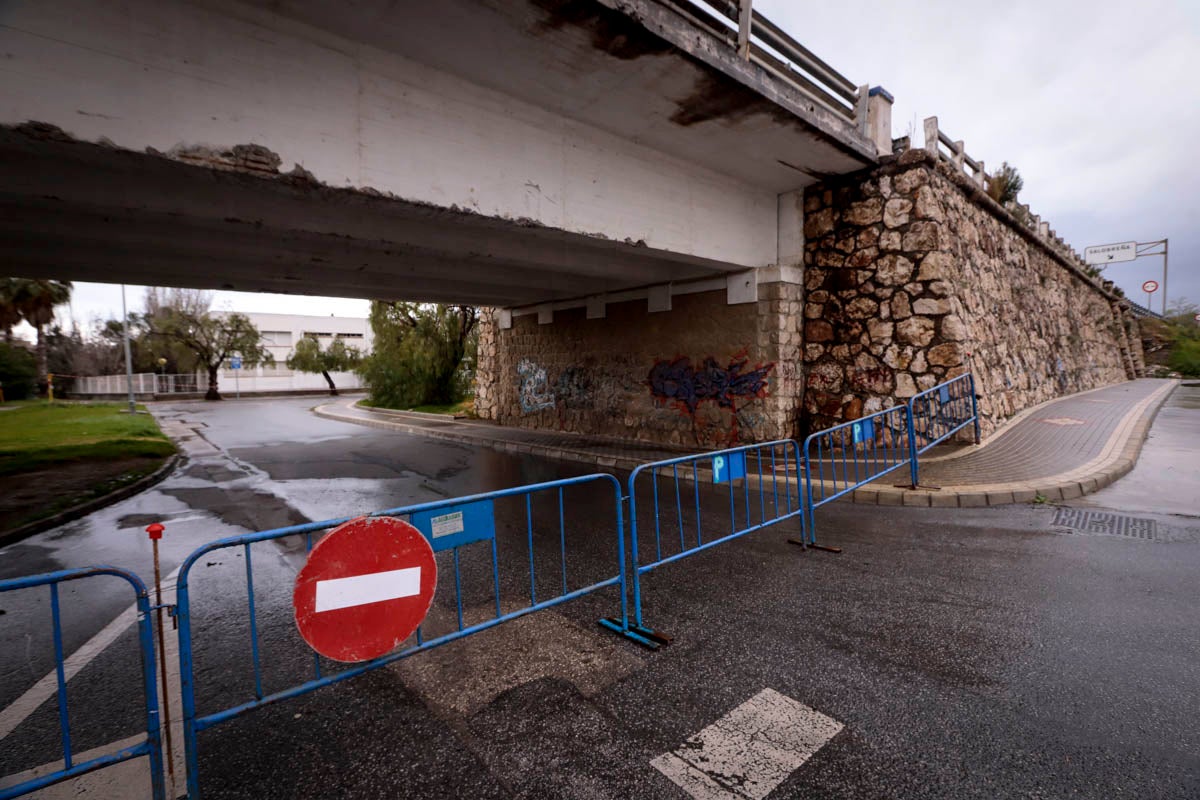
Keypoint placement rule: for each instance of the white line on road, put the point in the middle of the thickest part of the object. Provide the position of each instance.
(749, 751)
(374, 587)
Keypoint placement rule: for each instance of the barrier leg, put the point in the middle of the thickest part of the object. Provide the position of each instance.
(621, 626)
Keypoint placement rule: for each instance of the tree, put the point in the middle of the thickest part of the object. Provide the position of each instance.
(309, 357)
(182, 317)
(423, 353)
(1005, 184)
(18, 372)
(10, 314)
(36, 300)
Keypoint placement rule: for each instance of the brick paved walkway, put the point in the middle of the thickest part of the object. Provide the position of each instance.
(1056, 438)
(1059, 450)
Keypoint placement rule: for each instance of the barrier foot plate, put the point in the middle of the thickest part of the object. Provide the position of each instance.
(647, 638)
(814, 546)
(918, 486)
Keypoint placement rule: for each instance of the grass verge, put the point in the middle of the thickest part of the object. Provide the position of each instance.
(41, 435)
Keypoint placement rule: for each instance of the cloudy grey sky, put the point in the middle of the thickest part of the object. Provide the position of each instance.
(1097, 104)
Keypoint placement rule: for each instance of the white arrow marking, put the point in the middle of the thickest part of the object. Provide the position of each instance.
(375, 587)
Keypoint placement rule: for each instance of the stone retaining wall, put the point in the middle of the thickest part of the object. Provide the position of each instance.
(914, 276)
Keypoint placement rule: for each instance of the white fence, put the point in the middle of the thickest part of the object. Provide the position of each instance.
(250, 381)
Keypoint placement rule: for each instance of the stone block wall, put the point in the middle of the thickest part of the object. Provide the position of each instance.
(914, 276)
(705, 374)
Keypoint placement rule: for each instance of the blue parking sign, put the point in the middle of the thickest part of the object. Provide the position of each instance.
(729, 467)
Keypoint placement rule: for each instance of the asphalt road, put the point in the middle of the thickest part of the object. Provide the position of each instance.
(966, 653)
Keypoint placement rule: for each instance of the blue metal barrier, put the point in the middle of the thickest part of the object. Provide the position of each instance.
(550, 498)
(770, 467)
(840, 459)
(151, 747)
(938, 413)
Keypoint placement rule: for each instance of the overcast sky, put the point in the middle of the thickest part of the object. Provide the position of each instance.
(1096, 103)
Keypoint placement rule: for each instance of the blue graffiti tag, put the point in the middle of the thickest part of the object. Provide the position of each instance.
(679, 382)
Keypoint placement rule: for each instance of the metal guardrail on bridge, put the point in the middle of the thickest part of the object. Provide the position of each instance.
(765, 44)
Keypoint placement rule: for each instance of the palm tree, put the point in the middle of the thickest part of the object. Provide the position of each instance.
(36, 300)
(10, 315)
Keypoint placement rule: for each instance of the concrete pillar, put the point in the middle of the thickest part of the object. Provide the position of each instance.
(789, 243)
(879, 119)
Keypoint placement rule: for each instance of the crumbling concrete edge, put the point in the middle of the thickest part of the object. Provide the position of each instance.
(1118, 457)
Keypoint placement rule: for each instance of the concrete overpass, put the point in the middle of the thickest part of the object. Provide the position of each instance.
(498, 153)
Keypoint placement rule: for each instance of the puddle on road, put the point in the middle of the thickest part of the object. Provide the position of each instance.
(244, 508)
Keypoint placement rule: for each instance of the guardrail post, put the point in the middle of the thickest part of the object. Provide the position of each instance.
(879, 119)
(931, 136)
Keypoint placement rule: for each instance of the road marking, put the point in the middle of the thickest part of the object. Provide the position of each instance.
(374, 587)
(45, 689)
(749, 751)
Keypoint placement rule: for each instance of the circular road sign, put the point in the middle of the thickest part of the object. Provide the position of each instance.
(365, 588)
(1150, 287)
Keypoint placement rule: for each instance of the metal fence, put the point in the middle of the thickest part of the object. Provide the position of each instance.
(537, 522)
(840, 459)
(531, 542)
(938, 413)
(687, 517)
(151, 745)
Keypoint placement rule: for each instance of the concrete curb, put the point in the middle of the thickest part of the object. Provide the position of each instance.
(1117, 458)
(95, 504)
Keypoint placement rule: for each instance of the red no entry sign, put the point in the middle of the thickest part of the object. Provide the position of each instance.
(365, 589)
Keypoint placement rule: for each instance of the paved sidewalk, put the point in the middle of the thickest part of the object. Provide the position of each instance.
(1059, 450)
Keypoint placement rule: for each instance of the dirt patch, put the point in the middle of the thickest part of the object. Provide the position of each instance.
(34, 495)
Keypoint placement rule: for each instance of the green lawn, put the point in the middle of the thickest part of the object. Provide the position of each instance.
(40, 434)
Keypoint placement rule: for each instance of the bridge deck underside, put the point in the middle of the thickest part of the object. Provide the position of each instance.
(88, 212)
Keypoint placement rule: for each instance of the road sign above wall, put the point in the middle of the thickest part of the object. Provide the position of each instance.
(365, 588)
(1150, 287)
(1110, 253)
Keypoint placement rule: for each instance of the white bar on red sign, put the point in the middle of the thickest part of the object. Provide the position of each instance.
(375, 587)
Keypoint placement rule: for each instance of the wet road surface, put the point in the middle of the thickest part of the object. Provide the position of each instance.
(967, 653)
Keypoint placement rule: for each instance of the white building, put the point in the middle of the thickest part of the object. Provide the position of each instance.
(280, 333)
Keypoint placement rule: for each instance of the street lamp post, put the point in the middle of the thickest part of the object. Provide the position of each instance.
(128, 352)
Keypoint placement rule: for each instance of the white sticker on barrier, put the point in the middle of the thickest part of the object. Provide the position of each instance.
(447, 524)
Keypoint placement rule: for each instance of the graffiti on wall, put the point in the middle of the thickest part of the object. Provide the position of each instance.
(534, 391)
(688, 387)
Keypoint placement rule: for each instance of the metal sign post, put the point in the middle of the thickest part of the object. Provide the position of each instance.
(235, 363)
(1149, 287)
(1128, 251)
